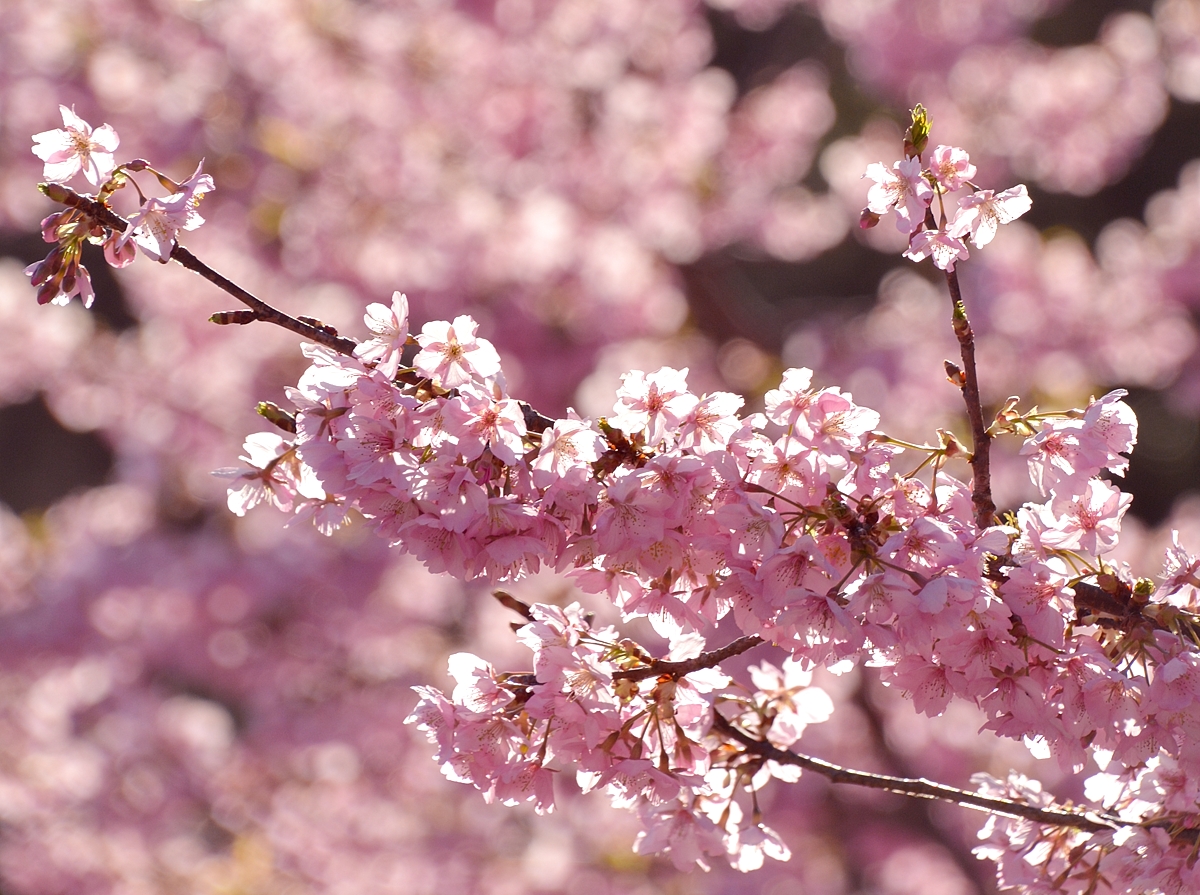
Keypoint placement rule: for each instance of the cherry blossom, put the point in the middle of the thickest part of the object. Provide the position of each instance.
(76, 148)
(654, 403)
(951, 167)
(800, 527)
(390, 328)
(943, 246)
(982, 212)
(154, 226)
(903, 188)
(452, 356)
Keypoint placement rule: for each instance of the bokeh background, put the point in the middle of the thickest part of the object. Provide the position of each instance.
(195, 703)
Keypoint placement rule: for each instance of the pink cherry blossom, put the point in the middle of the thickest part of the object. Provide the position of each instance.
(902, 187)
(982, 213)
(276, 476)
(951, 167)
(943, 246)
(478, 688)
(154, 226)
(389, 327)
(785, 405)
(687, 838)
(798, 525)
(710, 423)
(1073, 450)
(450, 354)
(76, 148)
(654, 403)
(1089, 521)
(567, 445)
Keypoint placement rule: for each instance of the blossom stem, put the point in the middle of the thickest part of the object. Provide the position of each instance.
(658, 667)
(918, 787)
(981, 439)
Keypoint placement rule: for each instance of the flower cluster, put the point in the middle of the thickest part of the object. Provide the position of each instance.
(77, 148)
(798, 523)
(909, 189)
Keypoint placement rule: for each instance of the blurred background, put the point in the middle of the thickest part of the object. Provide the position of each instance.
(196, 703)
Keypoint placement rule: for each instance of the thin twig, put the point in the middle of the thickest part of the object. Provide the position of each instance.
(101, 213)
(263, 311)
(981, 439)
(920, 788)
(659, 667)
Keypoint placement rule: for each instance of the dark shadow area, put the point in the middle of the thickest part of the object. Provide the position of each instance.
(1165, 464)
(756, 57)
(1079, 21)
(763, 299)
(41, 462)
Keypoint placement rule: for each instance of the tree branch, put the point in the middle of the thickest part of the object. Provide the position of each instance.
(262, 310)
(659, 667)
(981, 439)
(920, 788)
(104, 215)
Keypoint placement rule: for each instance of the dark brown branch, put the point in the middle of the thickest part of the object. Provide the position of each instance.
(917, 814)
(920, 788)
(659, 667)
(102, 214)
(262, 310)
(981, 439)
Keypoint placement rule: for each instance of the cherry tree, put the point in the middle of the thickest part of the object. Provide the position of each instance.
(800, 524)
(199, 701)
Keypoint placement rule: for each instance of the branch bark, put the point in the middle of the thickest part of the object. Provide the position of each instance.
(918, 787)
(659, 667)
(981, 440)
(104, 215)
(262, 310)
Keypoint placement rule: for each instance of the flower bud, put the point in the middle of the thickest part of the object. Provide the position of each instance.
(276, 416)
(56, 192)
(48, 291)
(1008, 412)
(950, 443)
(241, 316)
(50, 226)
(918, 133)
